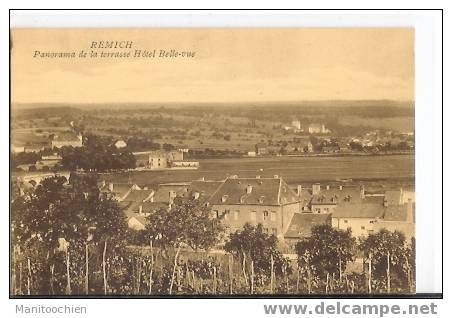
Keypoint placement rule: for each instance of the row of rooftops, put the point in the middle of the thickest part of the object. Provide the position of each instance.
(347, 202)
(353, 201)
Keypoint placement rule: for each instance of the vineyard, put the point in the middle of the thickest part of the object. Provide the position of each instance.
(71, 240)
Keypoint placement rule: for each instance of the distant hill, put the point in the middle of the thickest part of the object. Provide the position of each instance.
(131, 105)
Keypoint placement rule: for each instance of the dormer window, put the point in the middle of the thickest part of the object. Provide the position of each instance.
(261, 199)
(224, 198)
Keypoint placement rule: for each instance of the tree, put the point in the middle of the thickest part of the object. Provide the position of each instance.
(75, 213)
(387, 254)
(326, 252)
(24, 158)
(98, 154)
(253, 244)
(186, 222)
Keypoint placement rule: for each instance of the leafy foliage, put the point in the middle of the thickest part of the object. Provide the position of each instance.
(253, 244)
(186, 222)
(325, 249)
(98, 154)
(386, 244)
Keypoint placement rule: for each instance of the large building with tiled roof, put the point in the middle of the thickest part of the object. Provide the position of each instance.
(268, 201)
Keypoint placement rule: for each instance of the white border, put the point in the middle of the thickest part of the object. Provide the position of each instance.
(428, 89)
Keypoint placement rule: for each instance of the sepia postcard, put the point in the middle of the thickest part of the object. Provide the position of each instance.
(232, 162)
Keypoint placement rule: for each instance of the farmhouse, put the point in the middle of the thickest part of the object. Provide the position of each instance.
(160, 159)
(67, 139)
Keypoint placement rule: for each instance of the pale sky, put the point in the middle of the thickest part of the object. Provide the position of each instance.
(230, 65)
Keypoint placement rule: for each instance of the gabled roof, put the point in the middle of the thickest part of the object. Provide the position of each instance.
(162, 193)
(205, 189)
(302, 223)
(264, 191)
(138, 195)
(133, 208)
(119, 189)
(397, 213)
(347, 194)
(324, 199)
(140, 218)
(359, 210)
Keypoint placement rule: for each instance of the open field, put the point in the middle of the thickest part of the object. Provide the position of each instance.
(292, 169)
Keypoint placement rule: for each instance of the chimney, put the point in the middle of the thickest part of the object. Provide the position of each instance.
(202, 179)
(110, 186)
(299, 190)
(140, 209)
(196, 195)
(340, 187)
(361, 192)
(316, 188)
(385, 203)
(327, 186)
(249, 188)
(401, 199)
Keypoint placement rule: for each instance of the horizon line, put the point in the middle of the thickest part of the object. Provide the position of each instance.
(204, 103)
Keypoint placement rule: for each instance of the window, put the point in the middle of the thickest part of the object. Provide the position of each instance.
(265, 230)
(273, 216)
(265, 215)
(371, 222)
(253, 215)
(363, 227)
(226, 214)
(327, 210)
(345, 221)
(215, 213)
(274, 231)
(236, 215)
